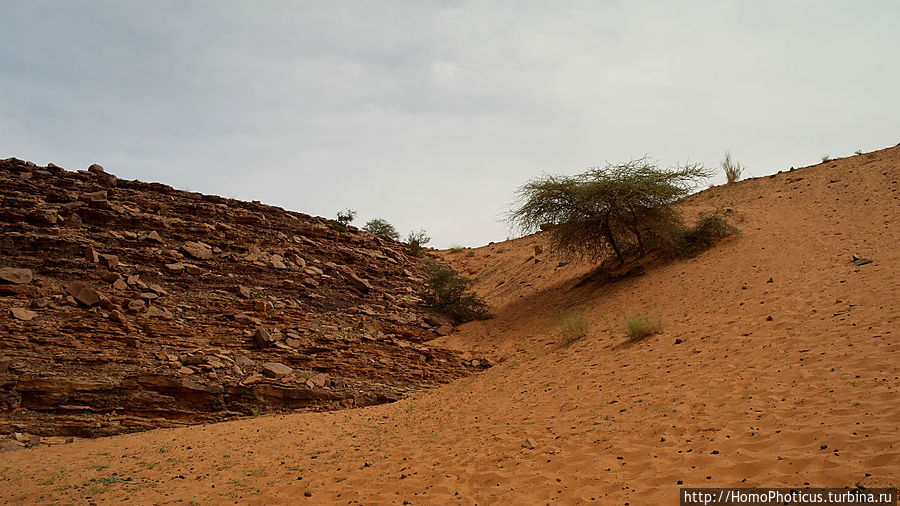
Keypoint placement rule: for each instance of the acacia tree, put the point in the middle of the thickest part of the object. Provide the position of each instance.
(623, 208)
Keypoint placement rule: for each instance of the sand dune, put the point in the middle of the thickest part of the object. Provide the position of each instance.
(786, 374)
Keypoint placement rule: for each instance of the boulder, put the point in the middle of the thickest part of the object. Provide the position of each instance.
(153, 236)
(197, 250)
(361, 284)
(90, 254)
(263, 338)
(83, 293)
(277, 262)
(15, 276)
(276, 369)
(175, 268)
(20, 313)
(161, 313)
(110, 261)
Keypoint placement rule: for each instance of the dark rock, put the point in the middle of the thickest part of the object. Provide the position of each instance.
(110, 261)
(90, 254)
(83, 293)
(360, 284)
(263, 338)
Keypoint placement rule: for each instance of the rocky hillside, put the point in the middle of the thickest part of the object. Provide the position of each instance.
(128, 305)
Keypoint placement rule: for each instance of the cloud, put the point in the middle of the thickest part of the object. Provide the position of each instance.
(429, 114)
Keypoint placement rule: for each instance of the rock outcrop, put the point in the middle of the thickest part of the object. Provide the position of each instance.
(133, 305)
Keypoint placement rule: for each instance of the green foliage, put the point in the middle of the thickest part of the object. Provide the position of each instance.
(613, 210)
(732, 169)
(575, 326)
(379, 226)
(639, 327)
(691, 241)
(448, 293)
(344, 218)
(416, 240)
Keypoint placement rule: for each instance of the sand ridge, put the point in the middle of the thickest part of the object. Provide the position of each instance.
(786, 375)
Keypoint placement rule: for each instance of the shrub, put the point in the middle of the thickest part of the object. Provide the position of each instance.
(639, 327)
(622, 208)
(575, 326)
(416, 242)
(346, 216)
(826, 158)
(343, 220)
(691, 241)
(379, 226)
(733, 169)
(448, 293)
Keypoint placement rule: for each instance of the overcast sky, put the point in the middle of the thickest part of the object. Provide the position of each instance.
(430, 114)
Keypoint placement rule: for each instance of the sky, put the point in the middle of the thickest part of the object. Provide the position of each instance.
(430, 114)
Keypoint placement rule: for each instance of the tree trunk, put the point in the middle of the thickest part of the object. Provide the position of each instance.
(607, 231)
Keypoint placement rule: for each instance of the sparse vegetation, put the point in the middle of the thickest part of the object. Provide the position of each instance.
(615, 210)
(448, 293)
(344, 218)
(691, 241)
(640, 327)
(456, 249)
(416, 241)
(826, 158)
(732, 168)
(575, 326)
(379, 226)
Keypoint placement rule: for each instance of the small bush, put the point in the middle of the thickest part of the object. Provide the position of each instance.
(575, 326)
(448, 293)
(691, 241)
(826, 158)
(416, 241)
(379, 226)
(344, 218)
(733, 169)
(639, 327)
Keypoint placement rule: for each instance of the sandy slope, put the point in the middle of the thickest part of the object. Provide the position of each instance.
(808, 396)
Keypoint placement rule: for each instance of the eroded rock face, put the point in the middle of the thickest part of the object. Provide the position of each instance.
(143, 315)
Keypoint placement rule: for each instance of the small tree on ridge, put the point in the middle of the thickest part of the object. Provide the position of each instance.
(379, 226)
(622, 208)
